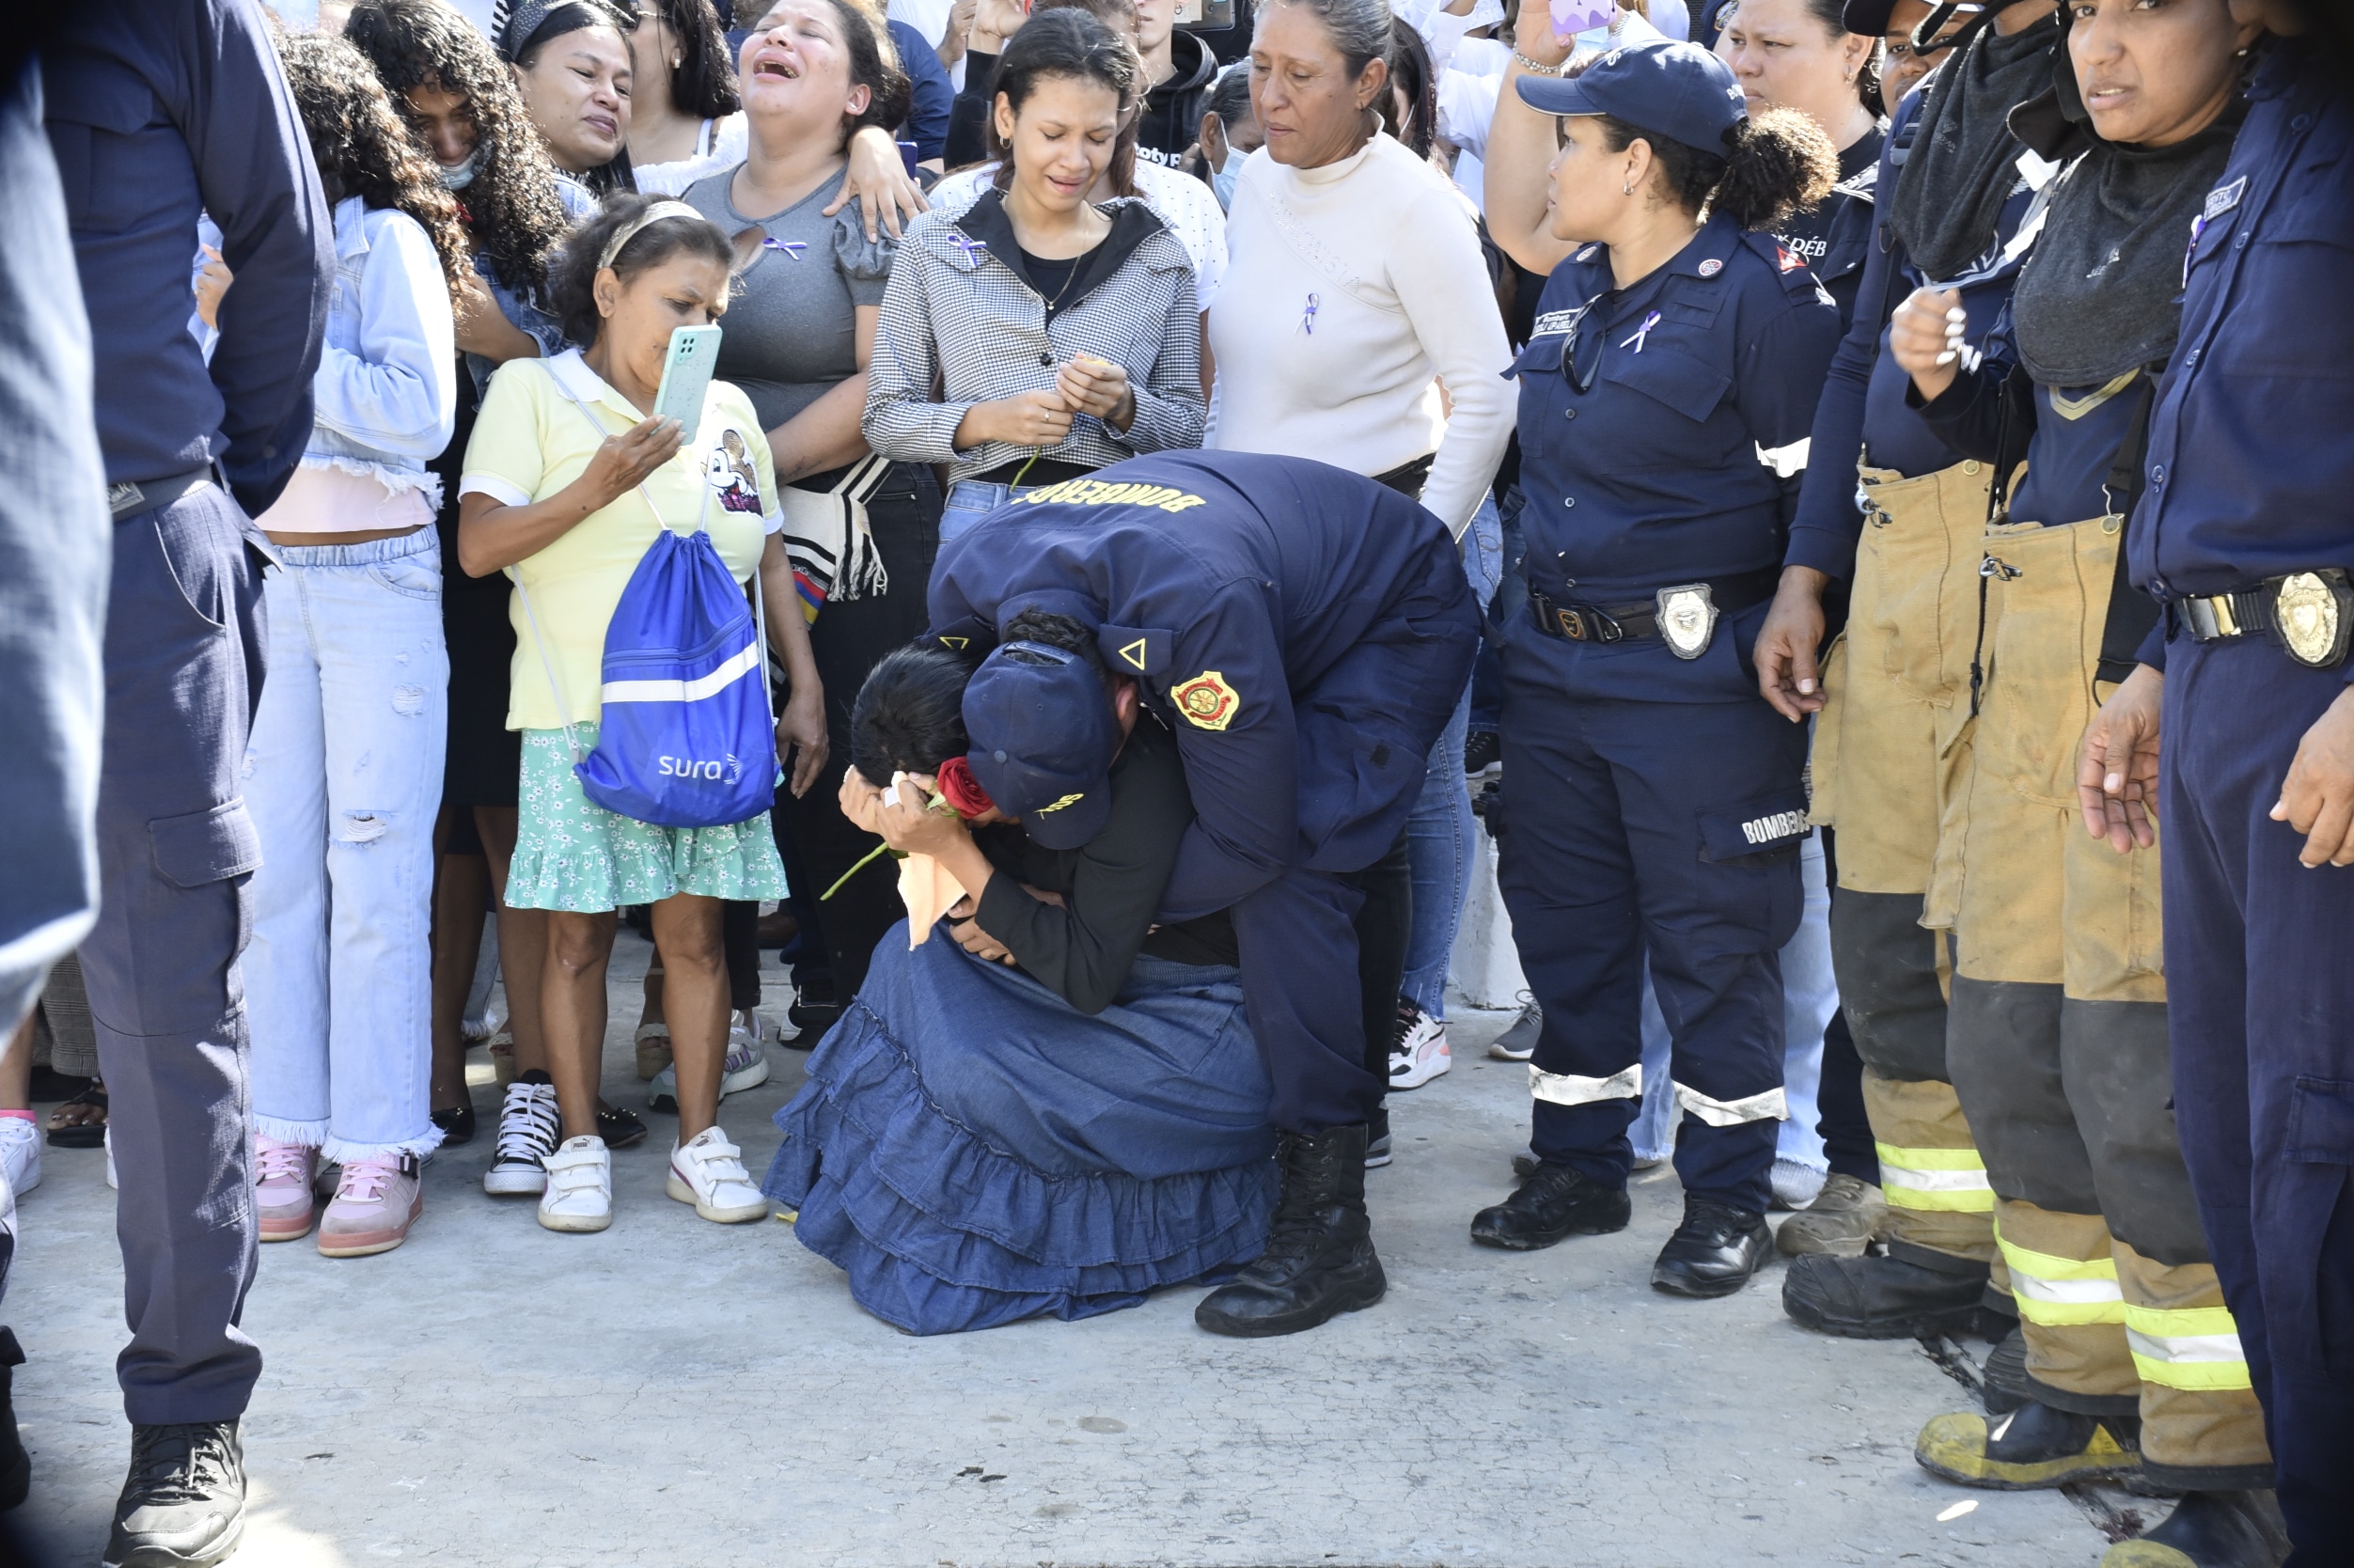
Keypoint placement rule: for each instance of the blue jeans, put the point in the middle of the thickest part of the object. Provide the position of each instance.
(343, 775)
(970, 500)
(1809, 997)
(1438, 832)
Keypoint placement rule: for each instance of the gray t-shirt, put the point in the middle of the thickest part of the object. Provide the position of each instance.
(791, 334)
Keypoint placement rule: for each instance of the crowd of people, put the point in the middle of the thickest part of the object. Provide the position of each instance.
(1827, 483)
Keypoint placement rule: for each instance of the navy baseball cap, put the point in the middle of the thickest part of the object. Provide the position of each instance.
(1679, 90)
(1044, 739)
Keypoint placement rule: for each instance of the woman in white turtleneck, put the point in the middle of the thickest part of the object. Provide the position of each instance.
(1355, 281)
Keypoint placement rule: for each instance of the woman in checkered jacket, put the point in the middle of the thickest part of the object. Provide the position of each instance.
(1036, 338)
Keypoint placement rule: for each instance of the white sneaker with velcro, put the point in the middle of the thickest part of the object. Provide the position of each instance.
(707, 1171)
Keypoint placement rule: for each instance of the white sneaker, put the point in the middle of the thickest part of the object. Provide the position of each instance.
(1420, 1054)
(707, 1171)
(746, 1067)
(579, 1195)
(20, 1154)
(529, 1132)
(1796, 1186)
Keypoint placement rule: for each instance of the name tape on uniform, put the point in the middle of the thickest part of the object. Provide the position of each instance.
(1099, 493)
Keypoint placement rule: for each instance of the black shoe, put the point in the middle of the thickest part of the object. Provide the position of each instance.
(16, 1465)
(2034, 1448)
(620, 1129)
(813, 1012)
(1320, 1260)
(1377, 1145)
(1483, 753)
(184, 1505)
(457, 1124)
(2210, 1529)
(1714, 1251)
(1552, 1205)
(1882, 1298)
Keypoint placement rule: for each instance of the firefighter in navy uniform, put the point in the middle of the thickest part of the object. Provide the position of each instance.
(1665, 400)
(1306, 632)
(2057, 1029)
(1893, 695)
(2245, 529)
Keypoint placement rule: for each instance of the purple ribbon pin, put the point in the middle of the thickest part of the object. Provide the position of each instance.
(971, 247)
(791, 247)
(2198, 227)
(1643, 333)
(1308, 317)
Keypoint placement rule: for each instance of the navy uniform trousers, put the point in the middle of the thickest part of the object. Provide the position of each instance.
(175, 850)
(1612, 808)
(2260, 996)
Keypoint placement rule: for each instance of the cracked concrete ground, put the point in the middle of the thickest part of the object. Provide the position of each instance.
(673, 1391)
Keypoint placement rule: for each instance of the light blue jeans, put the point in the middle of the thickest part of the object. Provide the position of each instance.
(1809, 997)
(1439, 840)
(343, 777)
(969, 501)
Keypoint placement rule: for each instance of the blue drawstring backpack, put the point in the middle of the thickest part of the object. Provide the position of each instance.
(687, 737)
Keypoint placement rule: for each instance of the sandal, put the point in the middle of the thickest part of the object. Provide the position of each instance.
(457, 1124)
(80, 1134)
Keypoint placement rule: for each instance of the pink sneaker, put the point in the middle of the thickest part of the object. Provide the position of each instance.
(282, 1197)
(375, 1203)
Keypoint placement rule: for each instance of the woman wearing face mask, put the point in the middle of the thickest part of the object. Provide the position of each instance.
(818, 74)
(345, 763)
(1228, 133)
(1799, 55)
(1062, 333)
(569, 481)
(460, 104)
(2057, 1032)
(571, 60)
(1665, 393)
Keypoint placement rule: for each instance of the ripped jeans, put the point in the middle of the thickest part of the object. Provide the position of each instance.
(342, 777)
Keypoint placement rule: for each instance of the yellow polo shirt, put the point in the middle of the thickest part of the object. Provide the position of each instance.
(530, 441)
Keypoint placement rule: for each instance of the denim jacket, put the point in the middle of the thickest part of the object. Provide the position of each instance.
(386, 388)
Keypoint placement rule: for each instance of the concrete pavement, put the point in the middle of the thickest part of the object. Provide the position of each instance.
(672, 1391)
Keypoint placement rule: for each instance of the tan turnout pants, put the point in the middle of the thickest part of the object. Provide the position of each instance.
(2057, 1039)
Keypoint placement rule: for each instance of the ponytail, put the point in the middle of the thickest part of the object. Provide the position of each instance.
(1777, 162)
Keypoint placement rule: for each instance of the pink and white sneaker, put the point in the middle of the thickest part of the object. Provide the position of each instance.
(283, 1173)
(1422, 1052)
(375, 1203)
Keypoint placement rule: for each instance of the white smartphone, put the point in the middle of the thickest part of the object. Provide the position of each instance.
(686, 375)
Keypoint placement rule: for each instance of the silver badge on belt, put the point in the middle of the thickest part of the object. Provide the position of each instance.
(1687, 618)
(2310, 620)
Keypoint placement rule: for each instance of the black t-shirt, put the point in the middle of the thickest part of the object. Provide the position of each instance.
(1111, 886)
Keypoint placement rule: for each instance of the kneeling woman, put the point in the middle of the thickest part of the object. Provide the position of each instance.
(1061, 1108)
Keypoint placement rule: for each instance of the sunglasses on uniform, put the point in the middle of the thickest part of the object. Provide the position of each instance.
(1581, 350)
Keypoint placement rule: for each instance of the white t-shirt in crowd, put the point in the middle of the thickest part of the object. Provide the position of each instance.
(1186, 204)
(720, 145)
(1350, 290)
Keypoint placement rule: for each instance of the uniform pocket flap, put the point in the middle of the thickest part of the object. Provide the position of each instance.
(1690, 386)
(2321, 1121)
(206, 846)
(1755, 827)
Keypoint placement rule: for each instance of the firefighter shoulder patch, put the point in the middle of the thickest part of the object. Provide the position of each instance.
(1206, 700)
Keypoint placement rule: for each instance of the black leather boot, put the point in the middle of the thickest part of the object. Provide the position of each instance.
(184, 1503)
(1320, 1260)
(2210, 1529)
(1553, 1204)
(1911, 1294)
(1714, 1251)
(16, 1465)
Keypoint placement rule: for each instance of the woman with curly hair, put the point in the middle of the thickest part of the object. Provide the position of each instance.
(344, 766)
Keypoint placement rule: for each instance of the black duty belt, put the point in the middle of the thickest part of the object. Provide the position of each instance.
(1684, 615)
(2310, 614)
(128, 499)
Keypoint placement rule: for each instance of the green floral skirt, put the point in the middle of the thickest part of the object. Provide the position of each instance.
(575, 856)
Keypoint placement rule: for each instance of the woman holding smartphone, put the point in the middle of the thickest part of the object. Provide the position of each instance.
(569, 480)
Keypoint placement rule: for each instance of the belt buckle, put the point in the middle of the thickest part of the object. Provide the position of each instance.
(1573, 625)
(2200, 612)
(2310, 610)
